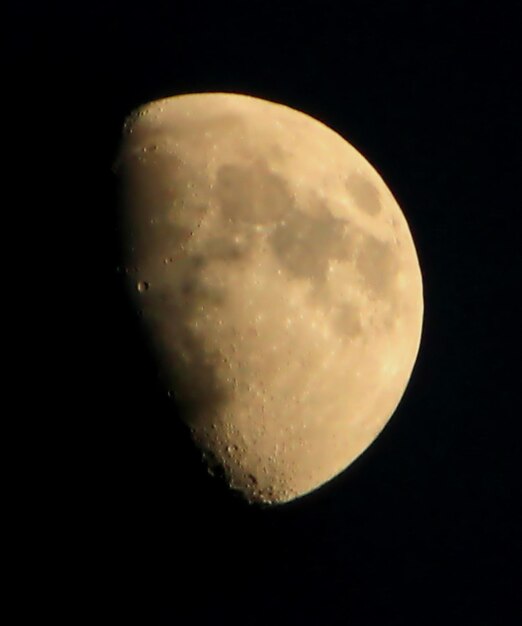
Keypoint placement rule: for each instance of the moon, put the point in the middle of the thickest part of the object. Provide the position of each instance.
(278, 281)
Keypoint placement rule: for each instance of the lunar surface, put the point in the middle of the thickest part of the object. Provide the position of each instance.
(277, 279)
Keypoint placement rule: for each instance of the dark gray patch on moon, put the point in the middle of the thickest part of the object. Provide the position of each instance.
(305, 244)
(378, 265)
(348, 320)
(364, 193)
(251, 194)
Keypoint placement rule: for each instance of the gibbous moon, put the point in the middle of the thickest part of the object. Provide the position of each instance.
(277, 280)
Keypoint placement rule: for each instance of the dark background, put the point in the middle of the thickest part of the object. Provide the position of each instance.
(423, 528)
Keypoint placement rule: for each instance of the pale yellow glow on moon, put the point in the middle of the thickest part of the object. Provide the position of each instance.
(278, 280)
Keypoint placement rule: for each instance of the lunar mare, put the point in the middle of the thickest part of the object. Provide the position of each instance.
(278, 281)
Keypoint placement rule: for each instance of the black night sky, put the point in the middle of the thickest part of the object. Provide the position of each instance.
(424, 527)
